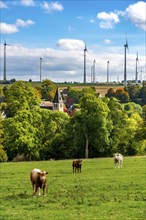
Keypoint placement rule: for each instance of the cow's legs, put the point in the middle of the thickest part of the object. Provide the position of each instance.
(39, 193)
(33, 189)
(37, 189)
(44, 191)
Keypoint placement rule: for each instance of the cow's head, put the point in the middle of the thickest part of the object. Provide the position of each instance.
(80, 162)
(42, 176)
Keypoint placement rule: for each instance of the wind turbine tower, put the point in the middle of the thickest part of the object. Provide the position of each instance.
(94, 71)
(91, 73)
(136, 73)
(41, 58)
(108, 71)
(125, 63)
(85, 50)
(5, 45)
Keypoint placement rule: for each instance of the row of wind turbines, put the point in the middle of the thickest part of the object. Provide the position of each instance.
(108, 62)
(92, 67)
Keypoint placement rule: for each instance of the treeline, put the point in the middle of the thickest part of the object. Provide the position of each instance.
(100, 126)
(133, 93)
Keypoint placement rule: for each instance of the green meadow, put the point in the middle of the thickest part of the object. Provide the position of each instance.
(99, 192)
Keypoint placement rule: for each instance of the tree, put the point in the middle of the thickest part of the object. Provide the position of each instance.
(110, 93)
(125, 125)
(20, 96)
(3, 154)
(75, 94)
(48, 90)
(141, 131)
(54, 128)
(142, 94)
(122, 95)
(133, 91)
(119, 119)
(132, 107)
(92, 121)
(22, 134)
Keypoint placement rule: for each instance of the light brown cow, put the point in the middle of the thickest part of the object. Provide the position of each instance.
(77, 165)
(38, 180)
(118, 160)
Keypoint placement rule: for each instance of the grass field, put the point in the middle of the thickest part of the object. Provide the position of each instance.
(99, 192)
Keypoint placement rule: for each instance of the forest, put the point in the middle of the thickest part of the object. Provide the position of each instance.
(100, 126)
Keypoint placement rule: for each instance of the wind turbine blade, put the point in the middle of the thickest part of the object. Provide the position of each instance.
(85, 49)
(4, 39)
(137, 57)
(126, 45)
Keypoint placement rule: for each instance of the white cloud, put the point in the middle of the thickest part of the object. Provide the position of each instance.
(109, 20)
(28, 2)
(137, 14)
(51, 6)
(13, 28)
(107, 41)
(3, 5)
(8, 28)
(21, 23)
(70, 44)
(108, 16)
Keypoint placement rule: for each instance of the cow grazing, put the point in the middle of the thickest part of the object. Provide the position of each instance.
(77, 165)
(118, 160)
(38, 180)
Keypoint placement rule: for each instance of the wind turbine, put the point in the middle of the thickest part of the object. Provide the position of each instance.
(5, 45)
(94, 71)
(108, 71)
(125, 63)
(92, 74)
(136, 73)
(85, 50)
(41, 58)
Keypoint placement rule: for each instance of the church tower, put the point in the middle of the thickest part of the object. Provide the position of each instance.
(58, 101)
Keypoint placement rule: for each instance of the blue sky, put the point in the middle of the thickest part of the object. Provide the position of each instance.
(57, 31)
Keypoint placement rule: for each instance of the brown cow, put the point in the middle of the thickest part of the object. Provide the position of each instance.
(38, 180)
(77, 165)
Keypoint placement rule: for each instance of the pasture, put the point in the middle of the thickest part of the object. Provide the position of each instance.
(99, 192)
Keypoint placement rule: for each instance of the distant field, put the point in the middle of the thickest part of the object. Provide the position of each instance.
(100, 192)
(99, 88)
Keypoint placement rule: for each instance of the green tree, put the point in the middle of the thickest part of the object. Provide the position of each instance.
(141, 131)
(48, 90)
(133, 91)
(119, 119)
(54, 128)
(142, 94)
(124, 128)
(132, 107)
(20, 96)
(92, 121)
(22, 134)
(75, 94)
(3, 154)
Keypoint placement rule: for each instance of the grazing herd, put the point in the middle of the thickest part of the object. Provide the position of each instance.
(38, 177)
